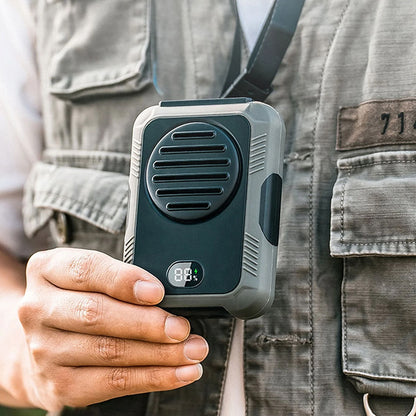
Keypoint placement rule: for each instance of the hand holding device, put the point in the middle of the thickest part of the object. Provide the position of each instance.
(94, 333)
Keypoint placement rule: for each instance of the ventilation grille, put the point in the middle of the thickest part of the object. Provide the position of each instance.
(136, 155)
(257, 153)
(251, 254)
(129, 251)
(191, 135)
(193, 171)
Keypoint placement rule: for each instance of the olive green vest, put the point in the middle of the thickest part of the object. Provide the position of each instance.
(338, 322)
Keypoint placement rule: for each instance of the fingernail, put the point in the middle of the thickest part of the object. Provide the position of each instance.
(177, 328)
(148, 292)
(189, 372)
(195, 349)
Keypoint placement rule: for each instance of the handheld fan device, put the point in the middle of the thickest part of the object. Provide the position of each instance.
(205, 188)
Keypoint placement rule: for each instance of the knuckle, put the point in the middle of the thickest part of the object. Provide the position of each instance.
(89, 310)
(28, 311)
(81, 267)
(36, 263)
(164, 352)
(153, 379)
(141, 327)
(38, 350)
(115, 278)
(110, 349)
(151, 323)
(119, 379)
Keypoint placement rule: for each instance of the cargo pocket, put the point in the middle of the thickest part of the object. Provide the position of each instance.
(94, 203)
(373, 227)
(98, 47)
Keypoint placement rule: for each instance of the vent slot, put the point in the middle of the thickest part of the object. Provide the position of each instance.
(160, 164)
(166, 150)
(187, 206)
(188, 135)
(190, 191)
(191, 177)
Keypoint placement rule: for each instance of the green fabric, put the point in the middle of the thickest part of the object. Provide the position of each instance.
(5, 411)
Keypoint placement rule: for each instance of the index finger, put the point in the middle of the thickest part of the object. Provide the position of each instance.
(92, 271)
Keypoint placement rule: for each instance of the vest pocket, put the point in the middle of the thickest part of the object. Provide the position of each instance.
(98, 198)
(373, 227)
(98, 47)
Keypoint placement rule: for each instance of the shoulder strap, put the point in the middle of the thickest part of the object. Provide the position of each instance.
(277, 32)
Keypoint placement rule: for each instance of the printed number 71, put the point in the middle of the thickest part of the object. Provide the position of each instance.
(386, 117)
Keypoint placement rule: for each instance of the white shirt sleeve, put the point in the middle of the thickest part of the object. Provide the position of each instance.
(252, 16)
(20, 119)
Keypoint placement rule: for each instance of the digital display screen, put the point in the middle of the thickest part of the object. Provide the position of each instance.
(185, 274)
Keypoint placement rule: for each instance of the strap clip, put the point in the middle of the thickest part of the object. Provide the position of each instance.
(369, 412)
(242, 87)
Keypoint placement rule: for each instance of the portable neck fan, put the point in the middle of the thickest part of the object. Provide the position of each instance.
(205, 188)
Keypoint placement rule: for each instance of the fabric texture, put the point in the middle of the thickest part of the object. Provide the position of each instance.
(326, 340)
(375, 123)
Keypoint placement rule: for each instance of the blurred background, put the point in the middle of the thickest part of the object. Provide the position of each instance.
(4, 411)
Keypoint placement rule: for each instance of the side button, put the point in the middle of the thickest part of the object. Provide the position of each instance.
(270, 200)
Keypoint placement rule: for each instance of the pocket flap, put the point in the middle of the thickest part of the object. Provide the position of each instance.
(99, 47)
(373, 205)
(97, 197)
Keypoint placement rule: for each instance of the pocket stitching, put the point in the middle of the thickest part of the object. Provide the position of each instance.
(344, 317)
(342, 205)
(84, 204)
(394, 377)
(357, 371)
(124, 74)
(382, 162)
(342, 220)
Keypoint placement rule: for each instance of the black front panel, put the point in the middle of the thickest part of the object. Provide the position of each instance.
(214, 242)
(193, 171)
